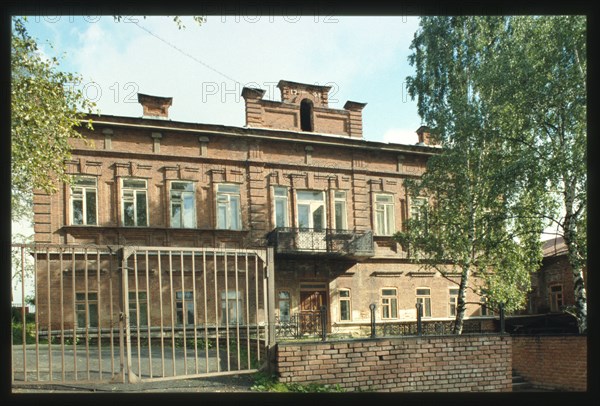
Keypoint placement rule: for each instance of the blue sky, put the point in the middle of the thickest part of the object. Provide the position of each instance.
(204, 67)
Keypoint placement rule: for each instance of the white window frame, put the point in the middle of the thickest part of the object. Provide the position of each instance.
(229, 305)
(425, 299)
(80, 192)
(484, 309)
(135, 193)
(453, 301)
(339, 197)
(184, 308)
(224, 199)
(313, 205)
(418, 208)
(389, 304)
(348, 301)
(175, 200)
(138, 307)
(88, 305)
(387, 210)
(280, 195)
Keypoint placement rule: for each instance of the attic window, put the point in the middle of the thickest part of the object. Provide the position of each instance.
(306, 115)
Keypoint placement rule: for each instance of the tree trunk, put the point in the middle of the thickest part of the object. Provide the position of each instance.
(461, 304)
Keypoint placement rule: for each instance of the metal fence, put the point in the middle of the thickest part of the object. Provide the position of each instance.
(127, 314)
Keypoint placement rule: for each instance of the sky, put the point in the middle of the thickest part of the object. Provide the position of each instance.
(204, 67)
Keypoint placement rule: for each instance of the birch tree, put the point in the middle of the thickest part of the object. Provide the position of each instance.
(536, 86)
(479, 185)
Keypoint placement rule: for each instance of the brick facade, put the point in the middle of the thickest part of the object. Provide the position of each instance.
(552, 362)
(265, 154)
(427, 364)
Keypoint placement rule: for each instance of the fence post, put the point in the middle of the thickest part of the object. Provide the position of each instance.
(372, 308)
(501, 308)
(125, 253)
(419, 314)
(323, 323)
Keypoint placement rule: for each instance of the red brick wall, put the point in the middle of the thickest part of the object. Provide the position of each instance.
(554, 362)
(411, 364)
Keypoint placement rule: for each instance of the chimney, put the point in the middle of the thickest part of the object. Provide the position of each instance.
(154, 106)
(425, 138)
(254, 111)
(355, 118)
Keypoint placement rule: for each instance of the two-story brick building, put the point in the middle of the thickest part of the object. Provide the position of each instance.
(299, 176)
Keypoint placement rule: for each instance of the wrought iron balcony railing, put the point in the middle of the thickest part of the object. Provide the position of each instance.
(351, 243)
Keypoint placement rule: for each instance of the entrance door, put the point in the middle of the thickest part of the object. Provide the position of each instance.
(311, 302)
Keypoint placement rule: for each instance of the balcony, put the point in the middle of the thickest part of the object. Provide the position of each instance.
(325, 242)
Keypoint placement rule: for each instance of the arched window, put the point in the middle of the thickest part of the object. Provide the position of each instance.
(306, 115)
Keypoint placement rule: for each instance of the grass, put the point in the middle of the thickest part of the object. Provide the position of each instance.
(264, 382)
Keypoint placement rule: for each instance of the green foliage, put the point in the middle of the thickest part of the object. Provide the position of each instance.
(511, 116)
(46, 109)
(264, 382)
(483, 187)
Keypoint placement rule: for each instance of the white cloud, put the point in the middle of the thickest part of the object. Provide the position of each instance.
(400, 136)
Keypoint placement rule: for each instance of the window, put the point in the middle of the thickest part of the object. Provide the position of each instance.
(228, 207)
(453, 302)
(486, 309)
(183, 206)
(281, 206)
(340, 210)
(389, 304)
(86, 310)
(345, 311)
(232, 309)
(556, 298)
(284, 306)
(83, 201)
(418, 209)
(138, 307)
(184, 305)
(306, 115)
(135, 203)
(384, 214)
(424, 297)
(311, 210)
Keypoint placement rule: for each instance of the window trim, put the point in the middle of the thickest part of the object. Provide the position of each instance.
(87, 302)
(135, 190)
(311, 203)
(229, 216)
(342, 200)
(288, 301)
(391, 316)
(452, 302)
(426, 301)
(388, 223)
(286, 200)
(187, 192)
(553, 299)
(185, 302)
(348, 300)
(139, 310)
(83, 199)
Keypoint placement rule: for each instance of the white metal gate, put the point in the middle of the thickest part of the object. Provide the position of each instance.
(130, 314)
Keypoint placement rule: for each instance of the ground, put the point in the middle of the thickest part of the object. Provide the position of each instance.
(221, 384)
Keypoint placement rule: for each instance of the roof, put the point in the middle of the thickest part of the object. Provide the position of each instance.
(554, 247)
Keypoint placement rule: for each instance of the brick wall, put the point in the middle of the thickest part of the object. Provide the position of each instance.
(553, 362)
(411, 364)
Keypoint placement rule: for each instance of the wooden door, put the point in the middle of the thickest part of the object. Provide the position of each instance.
(310, 310)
